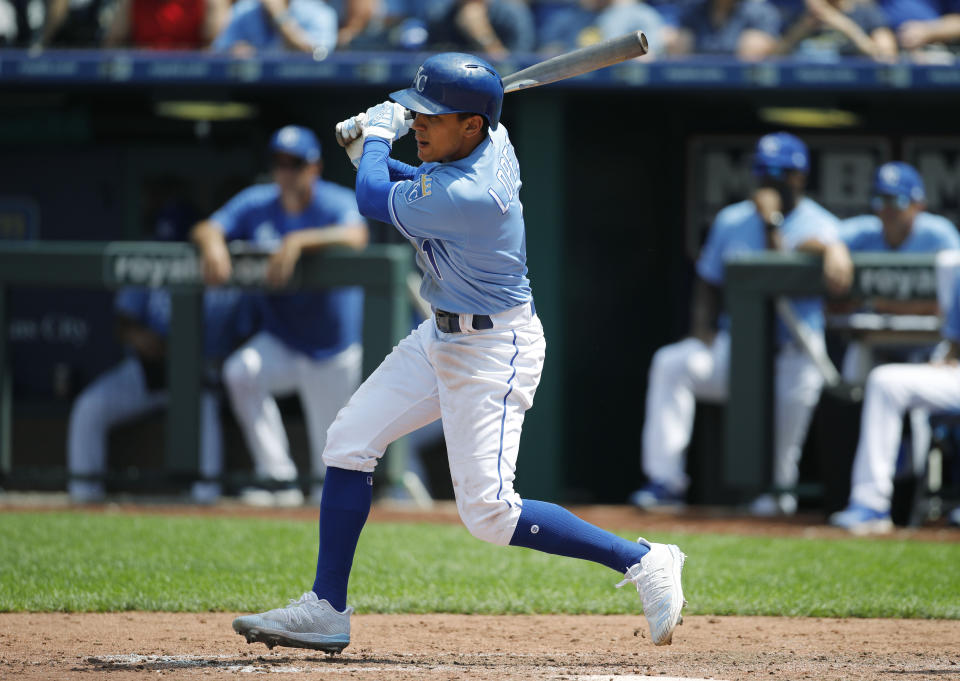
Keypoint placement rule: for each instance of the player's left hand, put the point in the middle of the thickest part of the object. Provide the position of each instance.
(351, 129)
(837, 268)
(387, 120)
(281, 264)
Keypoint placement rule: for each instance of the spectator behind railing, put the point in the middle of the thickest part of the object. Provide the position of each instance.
(569, 26)
(166, 24)
(492, 27)
(274, 25)
(747, 29)
(923, 26)
(74, 23)
(831, 29)
(381, 24)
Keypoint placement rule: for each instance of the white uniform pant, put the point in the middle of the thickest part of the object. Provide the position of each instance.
(891, 390)
(683, 372)
(264, 368)
(118, 396)
(858, 361)
(479, 383)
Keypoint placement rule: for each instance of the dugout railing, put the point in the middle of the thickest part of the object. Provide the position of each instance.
(380, 269)
(753, 282)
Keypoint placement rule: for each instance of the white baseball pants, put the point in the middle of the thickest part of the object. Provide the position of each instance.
(117, 396)
(891, 390)
(264, 368)
(480, 384)
(683, 372)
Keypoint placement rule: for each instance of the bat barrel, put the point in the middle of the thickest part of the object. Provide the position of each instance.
(579, 61)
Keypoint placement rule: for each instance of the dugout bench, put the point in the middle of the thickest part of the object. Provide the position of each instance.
(752, 284)
(381, 269)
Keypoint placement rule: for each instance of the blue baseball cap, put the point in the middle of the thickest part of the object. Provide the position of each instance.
(296, 141)
(900, 180)
(779, 152)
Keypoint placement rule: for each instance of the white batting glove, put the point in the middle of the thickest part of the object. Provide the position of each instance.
(355, 151)
(351, 129)
(387, 120)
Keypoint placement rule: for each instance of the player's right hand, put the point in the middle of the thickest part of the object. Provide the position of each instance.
(216, 264)
(351, 129)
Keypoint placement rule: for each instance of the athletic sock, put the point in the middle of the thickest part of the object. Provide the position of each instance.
(344, 508)
(553, 529)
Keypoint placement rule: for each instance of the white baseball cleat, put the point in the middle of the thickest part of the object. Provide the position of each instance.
(657, 578)
(309, 622)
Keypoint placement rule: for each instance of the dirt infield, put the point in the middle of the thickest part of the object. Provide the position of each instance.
(120, 646)
(432, 647)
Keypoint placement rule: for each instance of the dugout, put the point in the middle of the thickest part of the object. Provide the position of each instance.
(622, 173)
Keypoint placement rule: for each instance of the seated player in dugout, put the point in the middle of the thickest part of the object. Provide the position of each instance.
(310, 342)
(892, 390)
(778, 216)
(898, 223)
(475, 363)
(137, 385)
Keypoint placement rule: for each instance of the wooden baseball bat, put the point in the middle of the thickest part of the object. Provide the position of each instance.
(583, 60)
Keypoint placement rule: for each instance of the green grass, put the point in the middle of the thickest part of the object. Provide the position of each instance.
(104, 562)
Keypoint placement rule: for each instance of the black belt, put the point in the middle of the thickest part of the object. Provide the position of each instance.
(449, 322)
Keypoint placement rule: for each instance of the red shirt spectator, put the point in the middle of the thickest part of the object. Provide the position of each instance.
(167, 24)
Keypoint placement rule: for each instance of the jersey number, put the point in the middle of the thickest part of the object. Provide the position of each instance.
(508, 174)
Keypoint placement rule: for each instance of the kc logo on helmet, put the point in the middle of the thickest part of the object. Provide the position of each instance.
(420, 81)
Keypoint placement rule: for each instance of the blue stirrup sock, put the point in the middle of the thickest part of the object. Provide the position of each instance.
(553, 529)
(344, 508)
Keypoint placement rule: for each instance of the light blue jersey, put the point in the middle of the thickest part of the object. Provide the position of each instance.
(929, 234)
(251, 23)
(466, 222)
(738, 229)
(951, 323)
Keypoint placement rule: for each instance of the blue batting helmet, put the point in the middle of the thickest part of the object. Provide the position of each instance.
(899, 180)
(779, 152)
(452, 82)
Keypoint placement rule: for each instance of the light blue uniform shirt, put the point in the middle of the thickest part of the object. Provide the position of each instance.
(738, 229)
(466, 222)
(250, 23)
(318, 323)
(951, 324)
(929, 234)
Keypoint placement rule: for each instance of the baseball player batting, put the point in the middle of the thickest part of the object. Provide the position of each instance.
(474, 364)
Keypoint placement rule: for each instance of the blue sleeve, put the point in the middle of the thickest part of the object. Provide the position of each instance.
(816, 224)
(869, 17)
(230, 215)
(319, 22)
(400, 170)
(849, 231)
(762, 16)
(949, 239)
(230, 34)
(951, 325)
(373, 180)
(342, 204)
(130, 302)
(710, 263)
